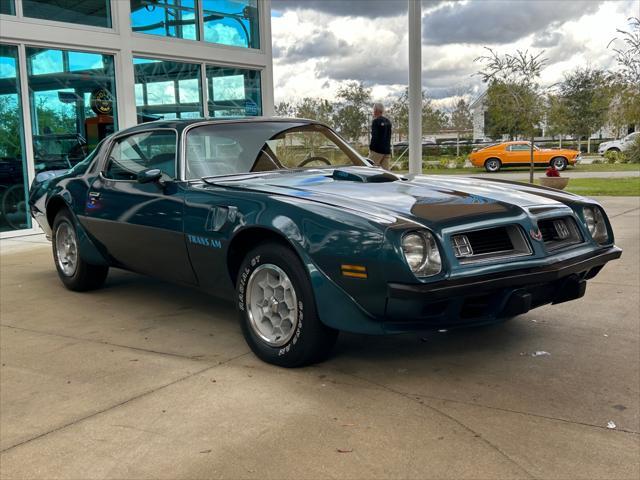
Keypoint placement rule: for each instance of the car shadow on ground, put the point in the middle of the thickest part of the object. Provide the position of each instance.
(203, 312)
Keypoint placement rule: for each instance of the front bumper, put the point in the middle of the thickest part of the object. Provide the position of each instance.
(488, 298)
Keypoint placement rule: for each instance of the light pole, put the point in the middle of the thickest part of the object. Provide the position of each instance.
(415, 86)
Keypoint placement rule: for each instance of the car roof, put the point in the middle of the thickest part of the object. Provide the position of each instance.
(180, 124)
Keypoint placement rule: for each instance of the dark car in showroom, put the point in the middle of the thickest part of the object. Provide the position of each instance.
(308, 239)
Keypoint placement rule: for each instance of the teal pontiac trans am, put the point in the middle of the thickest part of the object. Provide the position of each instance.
(308, 238)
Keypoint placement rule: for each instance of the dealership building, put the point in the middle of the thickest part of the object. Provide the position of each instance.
(73, 71)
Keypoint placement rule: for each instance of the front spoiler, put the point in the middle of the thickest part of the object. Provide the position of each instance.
(517, 278)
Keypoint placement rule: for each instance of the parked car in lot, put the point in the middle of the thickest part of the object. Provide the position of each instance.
(482, 140)
(289, 221)
(621, 145)
(506, 154)
(399, 147)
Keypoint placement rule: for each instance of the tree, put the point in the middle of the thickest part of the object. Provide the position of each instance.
(514, 97)
(351, 117)
(461, 120)
(625, 82)
(433, 120)
(10, 146)
(285, 109)
(587, 96)
(399, 114)
(315, 109)
(461, 116)
(558, 116)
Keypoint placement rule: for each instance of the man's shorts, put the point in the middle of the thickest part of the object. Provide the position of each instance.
(380, 159)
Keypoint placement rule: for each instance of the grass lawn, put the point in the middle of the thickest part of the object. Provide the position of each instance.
(601, 167)
(623, 187)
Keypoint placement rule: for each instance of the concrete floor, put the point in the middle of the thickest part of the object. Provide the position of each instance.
(143, 379)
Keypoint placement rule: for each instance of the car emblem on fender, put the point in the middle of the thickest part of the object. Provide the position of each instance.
(536, 234)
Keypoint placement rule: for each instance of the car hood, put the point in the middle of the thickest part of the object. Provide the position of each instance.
(430, 199)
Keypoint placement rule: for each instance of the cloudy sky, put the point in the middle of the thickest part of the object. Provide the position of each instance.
(319, 43)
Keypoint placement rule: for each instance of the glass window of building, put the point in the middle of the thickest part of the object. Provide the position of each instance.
(96, 13)
(231, 22)
(8, 7)
(169, 18)
(233, 92)
(166, 89)
(13, 166)
(73, 107)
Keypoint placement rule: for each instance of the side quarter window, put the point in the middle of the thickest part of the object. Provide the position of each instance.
(141, 151)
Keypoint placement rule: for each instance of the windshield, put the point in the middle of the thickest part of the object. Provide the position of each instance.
(229, 149)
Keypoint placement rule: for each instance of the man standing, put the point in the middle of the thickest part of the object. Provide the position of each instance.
(380, 146)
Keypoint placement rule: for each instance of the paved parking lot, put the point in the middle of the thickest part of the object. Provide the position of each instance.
(143, 379)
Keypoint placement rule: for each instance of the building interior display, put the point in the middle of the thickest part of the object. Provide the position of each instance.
(58, 101)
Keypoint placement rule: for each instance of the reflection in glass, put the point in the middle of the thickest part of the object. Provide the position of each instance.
(233, 92)
(166, 89)
(96, 13)
(13, 168)
(169, 18)
(231, 22)
(72, 96)
(7, 7)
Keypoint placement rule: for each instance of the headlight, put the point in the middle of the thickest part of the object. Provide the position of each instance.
(594, 219)
(422, 254)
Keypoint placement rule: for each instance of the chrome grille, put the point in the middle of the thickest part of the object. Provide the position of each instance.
(489, 243)
(559, 232)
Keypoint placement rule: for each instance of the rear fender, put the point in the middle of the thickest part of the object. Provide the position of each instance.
(88, 250)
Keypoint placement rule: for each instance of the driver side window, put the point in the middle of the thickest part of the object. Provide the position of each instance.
(307, 148)
(141, 151)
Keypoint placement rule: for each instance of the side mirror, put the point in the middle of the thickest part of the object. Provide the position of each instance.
(149, 175)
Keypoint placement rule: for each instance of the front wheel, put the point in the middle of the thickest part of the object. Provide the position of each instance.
(75, 273)
(492, 165)
(560, 163)
(277, 309)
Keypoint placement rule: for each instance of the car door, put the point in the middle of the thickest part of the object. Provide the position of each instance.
(141, 224)
(518, 153)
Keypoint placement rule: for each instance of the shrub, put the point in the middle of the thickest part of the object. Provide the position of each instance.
(633, 153)
(615, 157)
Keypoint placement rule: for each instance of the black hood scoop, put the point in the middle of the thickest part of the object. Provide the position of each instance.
(365, 175)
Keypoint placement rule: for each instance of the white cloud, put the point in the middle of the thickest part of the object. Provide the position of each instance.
(317, 49)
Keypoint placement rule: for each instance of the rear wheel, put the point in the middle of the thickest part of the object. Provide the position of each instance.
(277, 308)
(492, 165)
(75, 273)
(560, 163)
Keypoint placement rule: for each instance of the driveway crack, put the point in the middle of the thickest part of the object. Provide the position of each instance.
(527, 414)
(120, 404)
(451, 418)
(625, 212)
(103, 342)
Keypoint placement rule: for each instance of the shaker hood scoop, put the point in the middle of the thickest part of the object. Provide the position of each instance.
(429, 198)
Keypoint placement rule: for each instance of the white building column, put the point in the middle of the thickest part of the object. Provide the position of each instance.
(125, 77)
(415, 86)
(267, 74)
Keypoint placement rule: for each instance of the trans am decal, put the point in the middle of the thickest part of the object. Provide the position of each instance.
(204, 241)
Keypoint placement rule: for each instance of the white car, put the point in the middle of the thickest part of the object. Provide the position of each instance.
(618, 145)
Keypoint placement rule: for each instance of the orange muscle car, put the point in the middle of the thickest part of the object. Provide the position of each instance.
(494, 157)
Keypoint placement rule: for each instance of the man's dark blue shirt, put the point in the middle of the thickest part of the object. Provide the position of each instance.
(381, 135)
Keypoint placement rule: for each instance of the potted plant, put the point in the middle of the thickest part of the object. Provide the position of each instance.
(553, 179)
